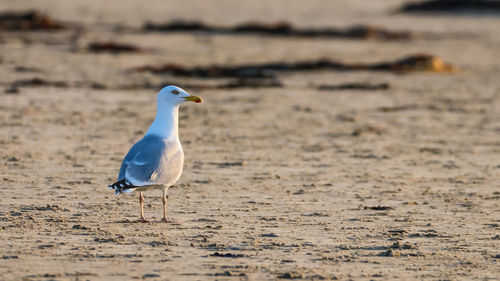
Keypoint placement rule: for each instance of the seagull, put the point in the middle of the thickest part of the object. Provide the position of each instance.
(155, 162)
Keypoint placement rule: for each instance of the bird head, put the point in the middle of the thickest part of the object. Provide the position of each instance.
(173, 95)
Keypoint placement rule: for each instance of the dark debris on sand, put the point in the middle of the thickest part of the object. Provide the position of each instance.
(354, 86)
(418, 62)
(33, 82)
(452, 6)
(282, 29)
(27, 21)
(227, 255)
(13, 88)
(378, 208)
(113, 47)
(291, 275)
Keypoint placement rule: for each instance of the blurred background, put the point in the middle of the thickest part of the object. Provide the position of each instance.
(195, 33)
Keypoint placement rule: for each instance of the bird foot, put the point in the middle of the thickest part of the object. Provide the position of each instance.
(170, 220)
(143, 220)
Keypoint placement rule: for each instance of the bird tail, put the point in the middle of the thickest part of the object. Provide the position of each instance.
(122, 186)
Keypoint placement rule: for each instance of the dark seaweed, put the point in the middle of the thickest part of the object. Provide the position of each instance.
(27, 21)
(354, 86)
(453, 6)
(419, 62)
(282, 29)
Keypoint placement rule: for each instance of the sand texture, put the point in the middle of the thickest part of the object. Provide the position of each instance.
(311, 173)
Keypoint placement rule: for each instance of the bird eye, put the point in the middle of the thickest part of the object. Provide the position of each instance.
(175, 92)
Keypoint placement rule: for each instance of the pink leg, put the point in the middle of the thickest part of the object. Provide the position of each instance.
(141, 200)
(165, 219)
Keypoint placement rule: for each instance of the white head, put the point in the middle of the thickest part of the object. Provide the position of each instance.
(174, 96)
(166, 121)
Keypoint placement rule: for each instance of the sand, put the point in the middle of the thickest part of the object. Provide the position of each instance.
(278, 183)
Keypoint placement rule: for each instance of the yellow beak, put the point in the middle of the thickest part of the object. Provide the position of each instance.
(193, 98)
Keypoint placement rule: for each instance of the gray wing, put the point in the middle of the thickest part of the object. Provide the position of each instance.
(152, 160)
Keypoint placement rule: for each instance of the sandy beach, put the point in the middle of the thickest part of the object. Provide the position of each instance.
(318, 173)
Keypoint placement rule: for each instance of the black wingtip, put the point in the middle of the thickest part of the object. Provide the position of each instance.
(122, 186)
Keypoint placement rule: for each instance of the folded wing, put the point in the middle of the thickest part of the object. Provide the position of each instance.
(153, 161)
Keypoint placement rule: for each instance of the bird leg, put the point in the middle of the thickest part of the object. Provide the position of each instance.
(141, 200)
(165, 206)
(165, 218)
